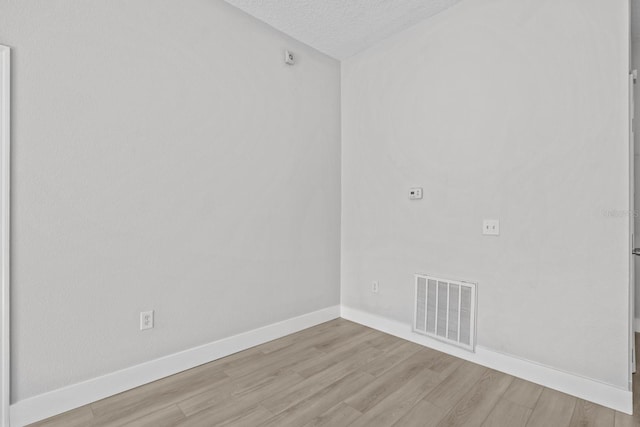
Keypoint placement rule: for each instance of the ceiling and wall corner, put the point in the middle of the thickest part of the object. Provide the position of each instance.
(342, 28)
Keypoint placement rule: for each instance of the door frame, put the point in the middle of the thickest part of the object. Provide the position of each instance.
(5, 230)
(633, 77)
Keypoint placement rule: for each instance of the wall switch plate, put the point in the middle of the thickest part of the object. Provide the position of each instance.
(415, 193)
(491, 227)
(146, 320)
(375, 287)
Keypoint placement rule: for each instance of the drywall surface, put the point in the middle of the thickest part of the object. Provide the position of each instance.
(509, 110)
(165, 158)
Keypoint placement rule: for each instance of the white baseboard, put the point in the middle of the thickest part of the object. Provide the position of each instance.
(58, 401)
(636, 324)
(575, 385)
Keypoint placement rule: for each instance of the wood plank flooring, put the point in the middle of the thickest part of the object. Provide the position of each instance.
(342, 374)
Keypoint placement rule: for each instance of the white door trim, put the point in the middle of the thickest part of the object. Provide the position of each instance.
(633, 75)
(5, 177)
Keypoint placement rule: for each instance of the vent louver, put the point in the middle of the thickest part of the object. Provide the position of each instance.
(446, 310)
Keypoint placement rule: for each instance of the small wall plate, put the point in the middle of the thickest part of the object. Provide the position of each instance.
(415, 193)
(289, 57)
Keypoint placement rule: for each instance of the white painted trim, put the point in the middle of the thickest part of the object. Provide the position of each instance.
(636, 324)
(5, 162)
(584, 388)
(58, 401)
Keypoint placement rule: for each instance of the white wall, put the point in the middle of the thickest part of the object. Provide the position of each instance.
(162, 147)
(164, 158)
(513, 110)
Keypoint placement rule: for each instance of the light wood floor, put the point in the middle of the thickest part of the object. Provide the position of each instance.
(342, 374)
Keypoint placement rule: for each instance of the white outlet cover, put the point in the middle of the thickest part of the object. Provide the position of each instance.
(491, 227)
(146, 320)
(415, 193)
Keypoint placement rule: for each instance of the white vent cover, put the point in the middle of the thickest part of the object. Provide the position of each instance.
(446, 310)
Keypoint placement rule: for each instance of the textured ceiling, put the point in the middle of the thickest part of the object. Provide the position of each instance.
(341, 28)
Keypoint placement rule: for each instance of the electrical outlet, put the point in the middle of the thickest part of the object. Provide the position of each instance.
(491, 227)
(375, 287)
(415, 193)
(146, 320)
